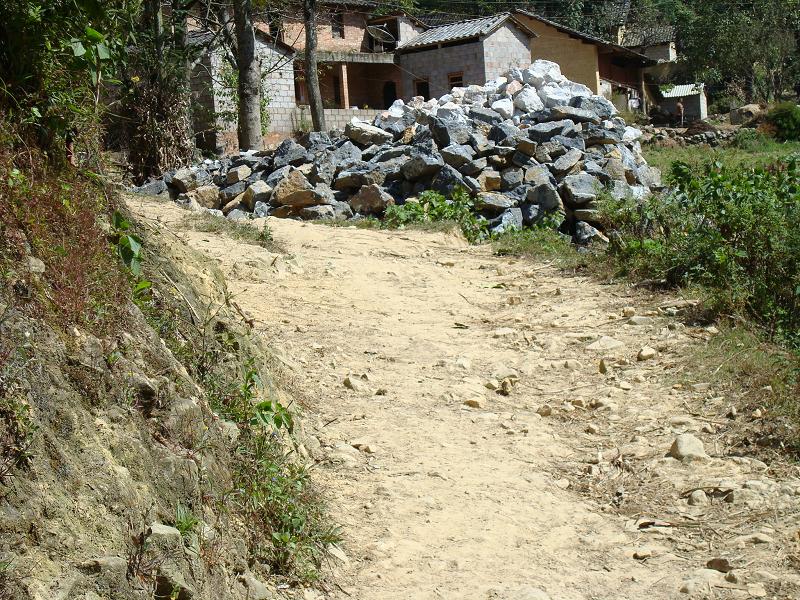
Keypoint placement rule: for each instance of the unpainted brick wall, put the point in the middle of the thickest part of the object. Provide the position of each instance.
(355, 33)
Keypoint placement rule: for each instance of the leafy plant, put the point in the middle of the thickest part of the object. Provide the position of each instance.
(433, 207)
(129, 246)
(185, 520)
(734, 231)
(785, 117)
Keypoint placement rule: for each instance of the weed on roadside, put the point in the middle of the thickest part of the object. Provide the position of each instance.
(240, 231)
(757, 376)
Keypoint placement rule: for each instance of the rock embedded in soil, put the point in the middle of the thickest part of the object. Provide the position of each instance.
(687, 447)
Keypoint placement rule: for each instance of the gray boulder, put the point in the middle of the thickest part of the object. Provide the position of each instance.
(423, 162)
(510, 178)
(371, 200)
(187, 179)
(289, 152)
(449, 131)
(580, 189)
(567, 162)
(508, 221)
(314, 213)
(457, 155)
(493, 203)
(358, 175)
(599, 105)
(578, 115)
(227, 194)
(276, 176)
(151, 188)
(366, 134)
(485, 115)
(543, 132)
(447, 180)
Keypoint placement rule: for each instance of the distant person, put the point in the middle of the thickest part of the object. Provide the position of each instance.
(679, 107)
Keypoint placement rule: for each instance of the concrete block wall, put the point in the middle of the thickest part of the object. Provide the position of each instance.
(291, 120)
(505, 48)
(435, 65)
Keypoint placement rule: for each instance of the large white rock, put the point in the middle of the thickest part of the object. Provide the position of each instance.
(504, 107)
(528, 100)
(577, 89)
(475, 94)
(553, 94)
(366, 134)
(450, 111)
(397, 109)
(542, 72)
(631, 134)
(494, 85)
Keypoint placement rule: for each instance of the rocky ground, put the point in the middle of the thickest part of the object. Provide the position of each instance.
(492, 428)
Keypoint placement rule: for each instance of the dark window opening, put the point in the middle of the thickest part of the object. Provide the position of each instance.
(276, 28)
(337, 25)
(455, 79)
(422, 88)
(337, 91)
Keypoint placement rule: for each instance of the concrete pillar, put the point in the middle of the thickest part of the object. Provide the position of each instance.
(343, 83)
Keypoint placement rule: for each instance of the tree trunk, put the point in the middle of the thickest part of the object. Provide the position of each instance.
(312, 75)
(249, 129)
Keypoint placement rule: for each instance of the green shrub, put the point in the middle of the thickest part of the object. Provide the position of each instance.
(735, 232)
(432, 207)
(785, 117)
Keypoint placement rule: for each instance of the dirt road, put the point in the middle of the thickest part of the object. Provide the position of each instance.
(556, 484)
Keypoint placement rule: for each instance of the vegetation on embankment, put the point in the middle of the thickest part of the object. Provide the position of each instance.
(130, 383)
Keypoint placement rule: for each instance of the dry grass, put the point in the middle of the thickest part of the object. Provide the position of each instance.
(246, 232)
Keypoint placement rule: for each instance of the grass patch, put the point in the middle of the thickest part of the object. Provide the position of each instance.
(756, 375)
(55, 257)
(366, 223)
(237, 230)
(540, 243)
(749, 150)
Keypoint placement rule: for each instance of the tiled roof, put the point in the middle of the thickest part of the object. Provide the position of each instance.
(651, 36)
(460, 30)
(435, 19)
(686, 89)
(616, 48)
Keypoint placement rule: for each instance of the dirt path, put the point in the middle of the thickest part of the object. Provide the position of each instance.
(559, 488)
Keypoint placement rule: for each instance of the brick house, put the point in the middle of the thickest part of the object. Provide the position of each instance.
(609, 69)
(466, 52)
(367, 62)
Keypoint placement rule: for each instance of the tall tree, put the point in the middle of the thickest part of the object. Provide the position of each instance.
(249, 128)
(312, 74)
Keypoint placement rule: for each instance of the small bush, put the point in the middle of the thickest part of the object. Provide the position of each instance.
(785, 118)
(735, 232)
(58, 217)
(432, 207)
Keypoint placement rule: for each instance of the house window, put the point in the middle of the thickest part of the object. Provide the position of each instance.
(455, 79)
(276, 28)
(422, 88)
(337, 25)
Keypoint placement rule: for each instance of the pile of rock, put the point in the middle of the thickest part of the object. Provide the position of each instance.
(523, 145)
(670, 137)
